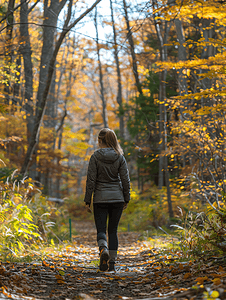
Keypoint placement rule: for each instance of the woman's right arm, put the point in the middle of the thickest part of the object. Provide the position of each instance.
(91, 180)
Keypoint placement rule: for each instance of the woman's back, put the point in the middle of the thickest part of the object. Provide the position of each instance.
(108, 164)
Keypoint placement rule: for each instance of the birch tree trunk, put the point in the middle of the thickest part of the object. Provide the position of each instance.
(102, 91)
(119, 80)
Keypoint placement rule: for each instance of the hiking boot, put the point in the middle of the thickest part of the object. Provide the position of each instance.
(111, 266)
(104, 257)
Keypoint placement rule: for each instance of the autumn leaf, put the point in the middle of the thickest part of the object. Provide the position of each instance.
(187, 275)
(216, 281)
(200, 280)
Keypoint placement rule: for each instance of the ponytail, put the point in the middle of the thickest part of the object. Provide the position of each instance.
(109, 138)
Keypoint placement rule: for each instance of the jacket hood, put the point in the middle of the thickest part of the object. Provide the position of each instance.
(106, 155)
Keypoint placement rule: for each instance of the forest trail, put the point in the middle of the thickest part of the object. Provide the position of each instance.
(71, 272)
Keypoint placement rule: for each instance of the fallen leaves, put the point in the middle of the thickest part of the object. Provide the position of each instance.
(187, 275)
(141, 273)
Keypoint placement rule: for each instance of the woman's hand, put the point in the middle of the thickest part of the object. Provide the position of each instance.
(125, 205)
(88, 208)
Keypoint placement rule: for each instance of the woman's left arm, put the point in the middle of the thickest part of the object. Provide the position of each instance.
(91, 180)
(124, 176)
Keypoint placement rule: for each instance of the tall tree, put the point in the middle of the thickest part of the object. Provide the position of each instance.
(182, 56)
(52, 10)
(162, 30)
(119, 79)
(42, 102)
(102, 89)
(8, 43)
(25, 50)
(132, 49)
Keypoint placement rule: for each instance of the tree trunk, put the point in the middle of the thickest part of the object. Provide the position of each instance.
(41, 105)
(51, 13)
(167, 182)
(16, 86)
(8, 45)
(51, 112)
(52, 9)
(182, 56)
(162, 76)
(208, 50)
(132, 51)
(163, 34)
(58, 178)
(119, 80)
(102, 91)
(182, 76)
(162, 94)
(25, 50)
(50, 122)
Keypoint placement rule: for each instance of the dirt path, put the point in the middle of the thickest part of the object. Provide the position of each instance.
(87, 235)
(71, 272)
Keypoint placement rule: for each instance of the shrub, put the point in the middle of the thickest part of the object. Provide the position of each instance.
(203, 231)
(17, 225)
(26, 217)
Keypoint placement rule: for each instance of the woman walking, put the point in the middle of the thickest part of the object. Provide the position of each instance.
(108, 179)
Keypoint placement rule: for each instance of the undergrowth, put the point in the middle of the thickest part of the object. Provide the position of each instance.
(149, 210)
(203, 232)
(28, 221)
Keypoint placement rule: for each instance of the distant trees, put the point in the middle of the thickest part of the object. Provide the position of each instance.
(34, 105)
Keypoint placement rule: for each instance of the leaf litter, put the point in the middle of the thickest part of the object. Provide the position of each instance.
(143, 272)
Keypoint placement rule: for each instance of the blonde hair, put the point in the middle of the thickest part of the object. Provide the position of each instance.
(109, 138)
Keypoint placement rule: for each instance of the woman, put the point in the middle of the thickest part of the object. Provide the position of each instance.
(108, 178)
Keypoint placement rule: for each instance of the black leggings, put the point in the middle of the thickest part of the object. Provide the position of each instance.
(114, 211)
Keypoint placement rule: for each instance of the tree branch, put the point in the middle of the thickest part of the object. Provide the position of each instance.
(19, 5)
(33, 6)
(83, 15)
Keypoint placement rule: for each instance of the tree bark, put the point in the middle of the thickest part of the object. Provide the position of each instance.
(132, 51)
(102, 91)
(42, 103)
(51, 14)
(182, 56)
(8, 44)
(51, 107)
(119, 80)
(57, 191)
(25, 50)
(16, 86)
(162, 76)
(208, 50)
(162, 31)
